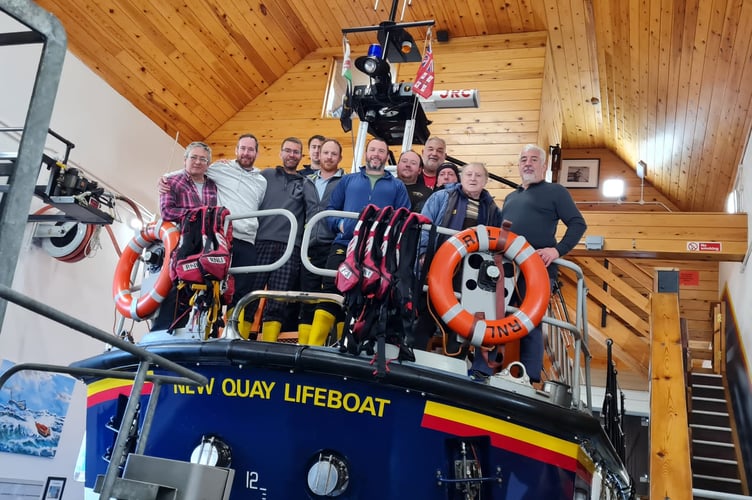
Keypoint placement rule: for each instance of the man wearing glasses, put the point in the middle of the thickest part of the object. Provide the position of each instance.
(189, 189)
(240, 188)
(284, 189)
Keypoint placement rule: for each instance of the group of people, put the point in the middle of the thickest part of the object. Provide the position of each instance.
(424, 183)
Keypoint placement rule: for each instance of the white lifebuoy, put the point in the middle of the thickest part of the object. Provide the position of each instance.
(464, 322)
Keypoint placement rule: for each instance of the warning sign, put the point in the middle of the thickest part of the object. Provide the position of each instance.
(689, 278)
(703, 246)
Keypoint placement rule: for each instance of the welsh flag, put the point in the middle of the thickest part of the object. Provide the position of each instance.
(345, 118)
(423, 85)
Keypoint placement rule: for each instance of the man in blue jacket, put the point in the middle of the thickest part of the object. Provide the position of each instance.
(372, 185)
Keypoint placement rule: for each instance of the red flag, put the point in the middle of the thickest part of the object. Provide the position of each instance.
(423, 85)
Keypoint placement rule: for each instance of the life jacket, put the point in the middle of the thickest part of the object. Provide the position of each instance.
(348, 272)
(380, 299)
(201, 261)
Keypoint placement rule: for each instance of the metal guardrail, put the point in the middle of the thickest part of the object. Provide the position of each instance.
(141, 375)
(578, 329)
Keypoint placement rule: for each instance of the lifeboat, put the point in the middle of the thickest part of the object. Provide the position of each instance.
(42, 429)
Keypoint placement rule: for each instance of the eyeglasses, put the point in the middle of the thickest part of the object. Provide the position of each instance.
(200, 159)
(289, 151)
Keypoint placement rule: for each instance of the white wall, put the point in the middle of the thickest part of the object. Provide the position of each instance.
(122, 149)
(736, 276)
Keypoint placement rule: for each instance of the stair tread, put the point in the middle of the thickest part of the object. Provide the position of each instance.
(711, 427)
(708, 412)
(715, 460)
(703, 398)
(713, 443)
(714, 478)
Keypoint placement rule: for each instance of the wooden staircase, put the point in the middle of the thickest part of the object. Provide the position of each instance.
(714, 455)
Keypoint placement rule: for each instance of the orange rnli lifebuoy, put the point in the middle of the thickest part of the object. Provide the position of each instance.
(149, 300)
(465, 323)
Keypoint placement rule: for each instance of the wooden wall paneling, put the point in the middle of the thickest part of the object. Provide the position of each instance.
(320, 33)
(589, 115)
(118, 61)
(682, 57)
(158, 53)
(697, 55)
(604, 40)
(733, 115)
(711, 79)
(611, 166)
(477, 17)
(248, 26)
(223, 59)
(549, 130)
(666, 84)
(127, 87)
(715, 122)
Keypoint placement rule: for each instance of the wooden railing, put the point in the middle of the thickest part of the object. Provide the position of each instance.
(670, 469)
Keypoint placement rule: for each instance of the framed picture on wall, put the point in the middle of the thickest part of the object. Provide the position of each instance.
(53, 490)
(579, 173)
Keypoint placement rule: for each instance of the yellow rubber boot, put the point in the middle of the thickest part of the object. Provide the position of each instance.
(340, 328)
(322, 325)
(270, 330)
(304, 332)
(244, 327)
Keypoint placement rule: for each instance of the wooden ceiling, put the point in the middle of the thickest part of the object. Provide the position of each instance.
(662, 81)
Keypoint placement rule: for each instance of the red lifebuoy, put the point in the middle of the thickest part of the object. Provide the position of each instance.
(149, 300)
(465, 323)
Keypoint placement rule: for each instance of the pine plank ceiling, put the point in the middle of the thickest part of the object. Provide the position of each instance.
(667, 82)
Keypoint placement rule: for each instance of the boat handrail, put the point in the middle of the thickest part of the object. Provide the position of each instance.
(340, 214)
(578, 329)
(290, 240)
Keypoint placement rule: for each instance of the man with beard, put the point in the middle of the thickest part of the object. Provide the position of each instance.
(535, 209)
(240, 188)
(284, 190)
(318, 191)
(434, 154)
(314, 152)
(409, 168)
(372, 185)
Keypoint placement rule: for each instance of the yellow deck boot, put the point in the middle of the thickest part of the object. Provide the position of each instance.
(340, 328)
(322, 325)
(244, 327)
(270, 330)
(304, 332)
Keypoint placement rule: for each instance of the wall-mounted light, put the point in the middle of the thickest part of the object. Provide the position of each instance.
(641, 169)
(613, 188)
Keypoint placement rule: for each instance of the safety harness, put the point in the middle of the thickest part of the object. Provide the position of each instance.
(379, 281)
(201, 263)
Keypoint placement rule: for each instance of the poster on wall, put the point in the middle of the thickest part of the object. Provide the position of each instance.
(33, 406)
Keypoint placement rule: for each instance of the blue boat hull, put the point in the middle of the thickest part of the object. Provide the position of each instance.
(279, 407)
